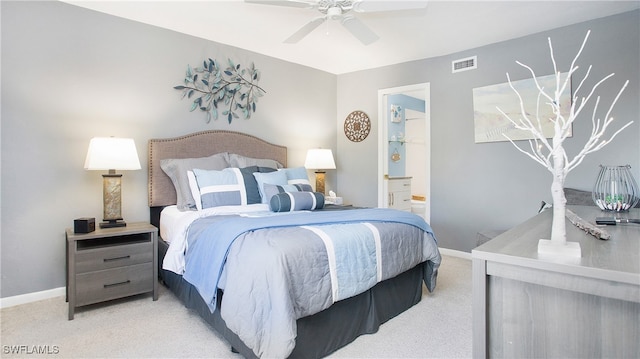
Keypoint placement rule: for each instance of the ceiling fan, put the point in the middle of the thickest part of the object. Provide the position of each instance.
(341, 10)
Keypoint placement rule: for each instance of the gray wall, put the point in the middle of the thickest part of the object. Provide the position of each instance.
(492, 185)
(70, 74)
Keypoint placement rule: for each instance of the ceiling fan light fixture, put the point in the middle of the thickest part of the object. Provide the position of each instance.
(341, 10)
(334, 13)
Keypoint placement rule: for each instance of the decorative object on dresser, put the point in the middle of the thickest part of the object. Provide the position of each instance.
(211, 85)
(111, 263)
(551, 154)
(111, 153)
(615, 189)
(320, 159)
(357, 126)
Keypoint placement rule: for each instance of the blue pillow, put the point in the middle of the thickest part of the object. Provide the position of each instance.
(221, 188)
(296, 175)
(272, 189)
(251, 185)
(296, 201)
(266, 169)
(275, 177)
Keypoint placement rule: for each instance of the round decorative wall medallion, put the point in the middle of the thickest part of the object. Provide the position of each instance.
(357, 126)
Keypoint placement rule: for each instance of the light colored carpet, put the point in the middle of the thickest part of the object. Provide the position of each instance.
(437, 327)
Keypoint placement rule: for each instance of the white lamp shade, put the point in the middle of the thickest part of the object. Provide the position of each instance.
(320, 159)
(111, 153)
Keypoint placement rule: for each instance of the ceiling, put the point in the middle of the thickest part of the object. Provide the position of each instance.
(442, 28)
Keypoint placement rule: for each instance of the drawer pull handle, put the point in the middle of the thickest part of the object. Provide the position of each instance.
(116, 284)
(116, 258)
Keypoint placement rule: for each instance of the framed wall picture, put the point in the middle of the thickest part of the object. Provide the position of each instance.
(396, 113)
(492, 126)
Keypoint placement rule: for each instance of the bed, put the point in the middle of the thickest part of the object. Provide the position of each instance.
(275, 291)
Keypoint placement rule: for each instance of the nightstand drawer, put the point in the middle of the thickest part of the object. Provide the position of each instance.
(107, 256)
(114, 283)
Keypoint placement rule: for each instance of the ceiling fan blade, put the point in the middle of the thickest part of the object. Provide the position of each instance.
(386, 5)
(290, 3)
(359, 30)
(305, 30)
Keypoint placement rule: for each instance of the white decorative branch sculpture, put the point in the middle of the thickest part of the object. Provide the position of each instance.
(551, 154)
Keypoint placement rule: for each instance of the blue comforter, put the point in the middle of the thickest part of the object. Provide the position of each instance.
(265, 296)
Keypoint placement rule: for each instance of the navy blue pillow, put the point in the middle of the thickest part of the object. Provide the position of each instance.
(250, 184)
(269, 190)
(266, 169)
(296, 201)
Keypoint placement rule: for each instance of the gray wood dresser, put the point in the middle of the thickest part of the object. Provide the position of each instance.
(111, 263)
(530, 307)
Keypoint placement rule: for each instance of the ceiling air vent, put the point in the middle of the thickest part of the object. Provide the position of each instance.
(465, 64)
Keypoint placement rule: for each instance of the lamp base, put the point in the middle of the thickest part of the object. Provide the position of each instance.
(320, 181)
(113, 224)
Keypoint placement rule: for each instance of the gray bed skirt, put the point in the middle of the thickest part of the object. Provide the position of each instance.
(323, 333)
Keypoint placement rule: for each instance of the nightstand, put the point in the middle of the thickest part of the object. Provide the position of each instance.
(111, 263)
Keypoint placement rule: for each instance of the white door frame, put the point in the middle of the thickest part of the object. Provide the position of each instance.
(383, 143)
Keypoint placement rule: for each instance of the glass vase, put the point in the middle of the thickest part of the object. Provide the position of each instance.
(615, 189)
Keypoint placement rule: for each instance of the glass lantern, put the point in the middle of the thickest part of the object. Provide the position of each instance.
(615, 189)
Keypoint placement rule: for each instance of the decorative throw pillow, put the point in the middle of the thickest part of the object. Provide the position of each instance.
(221, 188)
(177, 169)
(296, 175)
(272, 189)
(251, 185)
(276, 178)
(266, 169)
(296, 201)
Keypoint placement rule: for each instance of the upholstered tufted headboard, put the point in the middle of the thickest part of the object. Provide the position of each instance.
(201, 144)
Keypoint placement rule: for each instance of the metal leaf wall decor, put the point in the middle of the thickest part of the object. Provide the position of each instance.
(234, 90)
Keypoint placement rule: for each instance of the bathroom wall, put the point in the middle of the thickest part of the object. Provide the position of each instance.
(398, 133)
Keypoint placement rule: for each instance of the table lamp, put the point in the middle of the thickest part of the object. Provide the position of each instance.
(320, 160)
(111, 153)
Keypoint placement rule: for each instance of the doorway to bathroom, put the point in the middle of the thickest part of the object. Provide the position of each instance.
(404, 145)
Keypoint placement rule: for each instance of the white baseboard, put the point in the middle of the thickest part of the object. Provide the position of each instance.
(455, 253)
(32, 297)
